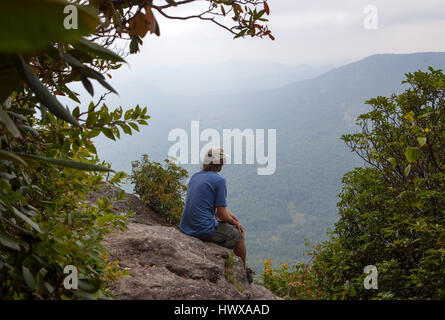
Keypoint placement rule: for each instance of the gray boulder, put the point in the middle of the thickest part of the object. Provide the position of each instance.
(166, 264)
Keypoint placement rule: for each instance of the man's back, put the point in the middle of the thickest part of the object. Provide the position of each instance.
(206, 190)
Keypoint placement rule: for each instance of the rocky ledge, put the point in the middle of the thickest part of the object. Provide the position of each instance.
(166, 264)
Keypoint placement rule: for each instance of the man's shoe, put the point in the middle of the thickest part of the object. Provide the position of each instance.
(249, 274)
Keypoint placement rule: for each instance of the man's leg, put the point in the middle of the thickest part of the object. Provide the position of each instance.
(240, 249)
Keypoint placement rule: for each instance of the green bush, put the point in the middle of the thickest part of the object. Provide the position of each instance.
(50, 227)
(161, 186)
(48, 161)
(392, 211)
(296, 283)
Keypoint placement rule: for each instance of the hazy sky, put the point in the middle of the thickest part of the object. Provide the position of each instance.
(307, 32)
(197, 57)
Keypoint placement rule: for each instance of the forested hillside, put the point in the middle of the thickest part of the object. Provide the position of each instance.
(299, 200)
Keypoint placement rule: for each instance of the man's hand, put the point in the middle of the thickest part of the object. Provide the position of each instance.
(233, 216)
(238, 225)
(224, 214)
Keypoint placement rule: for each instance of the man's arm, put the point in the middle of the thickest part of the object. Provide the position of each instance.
(233, 216)
(223, 214)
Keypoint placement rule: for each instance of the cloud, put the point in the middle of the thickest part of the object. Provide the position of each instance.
(307, 32)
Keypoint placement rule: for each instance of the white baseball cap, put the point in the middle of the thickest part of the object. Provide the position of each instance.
(215, 155)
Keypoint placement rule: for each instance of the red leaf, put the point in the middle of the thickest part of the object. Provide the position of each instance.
(151, 19)
(266, 8)
(59, 93)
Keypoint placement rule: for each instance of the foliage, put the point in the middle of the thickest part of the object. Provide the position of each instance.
(298, 283)
(161, 186)
(46, 173)
(228, 265)
(113, 272)
(392, 211)
(48, 161)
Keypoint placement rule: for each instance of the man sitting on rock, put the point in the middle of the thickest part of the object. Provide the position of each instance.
(205, 214)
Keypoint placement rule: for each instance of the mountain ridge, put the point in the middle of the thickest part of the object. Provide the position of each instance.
(310, 117)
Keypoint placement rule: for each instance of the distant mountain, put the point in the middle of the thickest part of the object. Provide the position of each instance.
(299, 200)
(215, 78)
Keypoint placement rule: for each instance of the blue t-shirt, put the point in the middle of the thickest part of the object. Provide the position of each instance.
(206, 191)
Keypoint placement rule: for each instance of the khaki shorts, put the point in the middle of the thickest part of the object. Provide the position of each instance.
(225, 235)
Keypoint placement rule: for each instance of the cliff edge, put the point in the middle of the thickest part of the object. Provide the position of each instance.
(166, 264)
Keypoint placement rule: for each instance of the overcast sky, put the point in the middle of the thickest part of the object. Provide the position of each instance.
(197, 57)
(307, 32)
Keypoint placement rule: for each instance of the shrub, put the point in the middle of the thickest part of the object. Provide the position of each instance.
(48, 160)
(391, 211)
(296, 283)
(68, 231)
(161, 186)
(43, 226)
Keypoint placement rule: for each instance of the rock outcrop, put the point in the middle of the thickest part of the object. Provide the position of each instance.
(165, 264)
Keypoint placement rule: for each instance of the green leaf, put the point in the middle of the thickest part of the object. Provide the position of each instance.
(412, 154)
(90, 285)
(9, 124)
(127, 114)
(29, 25)
(76, 112)
(407, 170)
(421, 141)
(26, 219)
(49, 287)
(392, 161)
(91, 119)
(97, 50)
(108, 133)
(71, 60)
(134, 126)
(87, 85)
(9, 81)
(66, 163)
(43, 94)
(6, 155)
(9, 242)
(134, 45)
(409, 116)
(171, 2)
(91, 73)
(126, 128)
(91, 148)
(106, 85)
(352, 292)
(93, 133)
(29, 278)
(71, 94)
